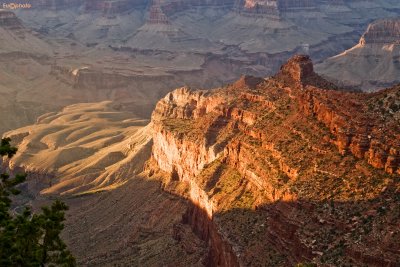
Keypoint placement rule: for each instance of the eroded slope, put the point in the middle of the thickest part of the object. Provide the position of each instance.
(91, 155)
(133, 225)
(85, 147)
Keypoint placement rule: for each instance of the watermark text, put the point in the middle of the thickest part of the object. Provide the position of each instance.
(14, 6)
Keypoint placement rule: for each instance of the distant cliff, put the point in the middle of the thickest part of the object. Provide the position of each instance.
(385, 31)
(9, 21)
(373, 63)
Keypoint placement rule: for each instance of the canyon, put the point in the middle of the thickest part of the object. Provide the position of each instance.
(264, 171)
(92, 155)
(258, 158)
(40, 75)
(136, 51)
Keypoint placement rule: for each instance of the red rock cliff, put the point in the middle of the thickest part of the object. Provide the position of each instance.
(276, 164)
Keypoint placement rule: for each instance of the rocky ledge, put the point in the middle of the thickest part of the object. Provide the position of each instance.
(285, 170)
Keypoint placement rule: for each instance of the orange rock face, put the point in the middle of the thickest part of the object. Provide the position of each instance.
(281, 166)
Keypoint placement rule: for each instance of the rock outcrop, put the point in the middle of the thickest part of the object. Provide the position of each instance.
(260, 162)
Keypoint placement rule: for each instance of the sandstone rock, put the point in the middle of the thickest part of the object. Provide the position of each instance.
(298, 68)
(266, 138)
(248, 81)
(299, 71)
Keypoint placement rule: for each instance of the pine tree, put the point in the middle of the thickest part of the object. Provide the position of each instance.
(29, 239)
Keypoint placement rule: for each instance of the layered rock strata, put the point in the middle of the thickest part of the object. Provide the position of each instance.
(260, 160)
(385, 31)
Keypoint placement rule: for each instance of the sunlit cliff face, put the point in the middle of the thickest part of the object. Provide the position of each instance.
(265, 3)
(267, 156)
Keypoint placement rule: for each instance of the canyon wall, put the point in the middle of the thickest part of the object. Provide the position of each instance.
(373, 63)
(385, 31)
(258, 148)
(355, 133)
